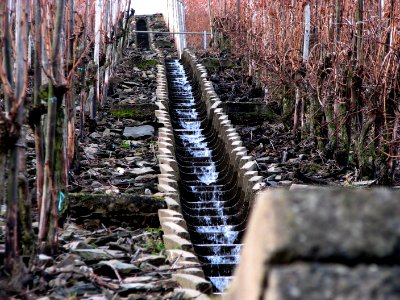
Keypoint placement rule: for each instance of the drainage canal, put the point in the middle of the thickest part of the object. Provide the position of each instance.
(211, 200)
(142, 39)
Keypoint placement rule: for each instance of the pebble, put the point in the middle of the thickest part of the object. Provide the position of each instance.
(95, 135)
(138, 131)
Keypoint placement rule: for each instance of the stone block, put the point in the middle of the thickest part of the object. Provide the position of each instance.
(172, 241)
(174, 255)
(332, 281)
(350, 226)
(172, 228)
(193, 282)
(189, 294)
(180, 221)
(164, 213)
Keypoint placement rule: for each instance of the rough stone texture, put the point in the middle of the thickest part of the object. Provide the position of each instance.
(193, 282)
(174, 255)
(140, 112)
(189, 294)
(326, 225)
(173, 241)
(138, 132)
(332, 281)
(131, 210)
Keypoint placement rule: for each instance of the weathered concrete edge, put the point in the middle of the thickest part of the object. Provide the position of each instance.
(176, 237)
(245, 165)
(276, 229)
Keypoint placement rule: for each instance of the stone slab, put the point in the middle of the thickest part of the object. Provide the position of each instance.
(193, 282)
(138, 131)
(332, 281)
(348, 226)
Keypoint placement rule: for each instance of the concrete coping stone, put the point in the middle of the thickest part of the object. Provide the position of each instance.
(193, 282)
(174, 196)
(216, 104)
(173, 228)
(166, 156)
(162, 138)
(218, 110)
(231, 130)
(187, 269)
(258, 186)
(181, 222)
(223, 116)
(166, 137)
(232, 134)
(242, 162)
(161, 112)
(163, 119)
(166, 188)
(166, 145)
(251, 173)
(237, 158)
(166, 168)
(255, 179)
(235, 142)
(160, 105)
(165, 175)
(250, 166)
(168, 180)
(172, 241)
(190, 294)
(315, 281)
(174, 255)
(225, 122)
(164, 151)
(233, 139)
(164, 129)
(363, 227)
(238, 149)
(172, 203)
(163, 213)
(167, 160)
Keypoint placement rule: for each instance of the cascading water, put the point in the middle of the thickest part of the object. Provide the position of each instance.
(211, 201)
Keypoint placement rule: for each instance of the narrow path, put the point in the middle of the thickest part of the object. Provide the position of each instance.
(211, 201)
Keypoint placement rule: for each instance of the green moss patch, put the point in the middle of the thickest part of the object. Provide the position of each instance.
(146, 64)
(140, 112)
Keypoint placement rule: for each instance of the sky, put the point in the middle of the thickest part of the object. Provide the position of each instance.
(147, 7)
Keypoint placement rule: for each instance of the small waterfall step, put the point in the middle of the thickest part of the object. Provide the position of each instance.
(212, 203)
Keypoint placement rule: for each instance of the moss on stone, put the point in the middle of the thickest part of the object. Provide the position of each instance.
(125, 113)
(311, 167)
(140, 112)
(145, 64)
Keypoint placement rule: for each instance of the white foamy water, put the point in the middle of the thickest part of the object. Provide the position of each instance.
(195, 143)
(220, 283)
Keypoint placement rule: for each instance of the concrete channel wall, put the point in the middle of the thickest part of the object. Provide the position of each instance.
(179, 248)
(321, 244)
(300, 244)
(176, 236)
